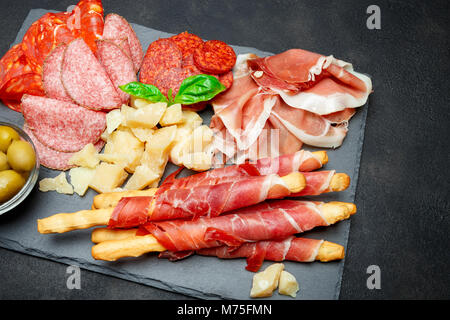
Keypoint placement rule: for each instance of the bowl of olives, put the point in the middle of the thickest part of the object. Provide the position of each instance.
(19, 166)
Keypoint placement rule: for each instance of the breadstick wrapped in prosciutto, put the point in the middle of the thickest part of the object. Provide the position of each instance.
(292, 248)
(208, 200)
(266, 221)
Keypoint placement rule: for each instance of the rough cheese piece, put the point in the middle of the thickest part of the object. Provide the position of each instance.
(107, 177)
(143, 134)
(114, 119)
(288, 284)
(153, 160)
(265, 282)
(145, 117)
(80, 179)
(124, 149)
(138, 102)
(172, 115)
(58, 184)
(86, 157)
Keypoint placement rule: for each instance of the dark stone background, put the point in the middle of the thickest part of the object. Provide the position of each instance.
(403, 193)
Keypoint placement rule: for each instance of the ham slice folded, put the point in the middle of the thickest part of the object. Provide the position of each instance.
(304, 96)
(265, 221)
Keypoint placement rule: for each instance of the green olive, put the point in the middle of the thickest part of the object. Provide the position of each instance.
(21, 156)
(3, 161)
(10, 183)
(7, 136)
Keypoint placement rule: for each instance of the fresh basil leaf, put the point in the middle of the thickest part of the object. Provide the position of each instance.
(198, 88)
(144, 91)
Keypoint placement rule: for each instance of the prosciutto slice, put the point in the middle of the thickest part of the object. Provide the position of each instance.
(298, 161)
(307, 98)
(265, 221)
(193, 202)
(291, 248)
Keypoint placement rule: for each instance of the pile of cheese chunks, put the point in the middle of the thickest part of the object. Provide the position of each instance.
(140, 139)
(273, 277)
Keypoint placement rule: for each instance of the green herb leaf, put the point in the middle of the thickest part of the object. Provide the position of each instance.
(143, 91)
(198, 88)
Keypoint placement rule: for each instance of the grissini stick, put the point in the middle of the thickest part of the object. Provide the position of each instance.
(64, 222)
(129, 245)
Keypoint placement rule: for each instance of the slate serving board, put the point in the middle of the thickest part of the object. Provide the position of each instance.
(197, 276)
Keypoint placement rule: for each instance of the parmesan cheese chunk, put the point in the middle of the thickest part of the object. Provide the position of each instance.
(86, 157)
(58, 184)
(124, 149)
(143, 134)
(80, 179)
(114, 119)
(107, 177)
(288, 284)
(265, 282)
(172, 115)
(145, 117)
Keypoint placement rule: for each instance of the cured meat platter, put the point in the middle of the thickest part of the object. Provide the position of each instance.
(199, 276)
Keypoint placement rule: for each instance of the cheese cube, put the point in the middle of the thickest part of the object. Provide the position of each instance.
(80, 179)
(172, 115)
(145, 117)
(143, 134)
(265, 282)
(124, 149)
(141, 178)
(107, 177)
(58, 184)
(86, 157)
(288, 284)
(114, 119)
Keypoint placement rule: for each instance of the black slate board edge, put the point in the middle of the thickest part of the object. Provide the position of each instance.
(165, 285)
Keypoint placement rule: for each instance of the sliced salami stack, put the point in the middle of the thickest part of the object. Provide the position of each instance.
(80, 87)
(59, 129)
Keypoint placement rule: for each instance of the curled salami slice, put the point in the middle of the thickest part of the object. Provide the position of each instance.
(117, 27)
(53, 159)
(45, 34)
(162, 54)
(187, 42)
(171, 79)
(30, 83)
(215, 57)
(85, 80)
(60, 125)
(51, 75)
(119, 67)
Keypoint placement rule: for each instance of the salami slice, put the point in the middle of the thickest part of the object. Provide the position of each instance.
(62, 126)
(119, 67)
(124, 45)
(85, 80)
(117, 27)
(53, 159)
(187, 42)
(51, 75)
(215, 57)
(162, 54)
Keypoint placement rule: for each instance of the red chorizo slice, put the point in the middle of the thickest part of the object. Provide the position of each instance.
(117, 27)
(119, 67)
(226, 79)
(171, 79)
(215, 57)
(187, 42)
(86, 80)
(60, 125)
(161, 54)
(51, 75)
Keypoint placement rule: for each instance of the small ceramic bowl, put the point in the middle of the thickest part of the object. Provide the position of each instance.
(32, 178)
